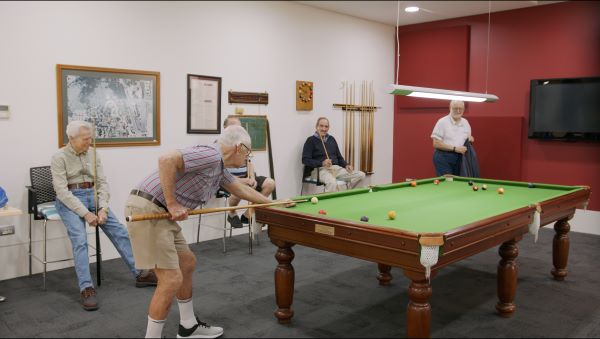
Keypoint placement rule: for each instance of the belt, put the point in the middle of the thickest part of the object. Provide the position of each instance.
(148, 197)
(81, 185)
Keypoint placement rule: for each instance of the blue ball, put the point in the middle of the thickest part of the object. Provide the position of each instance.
(364, 218)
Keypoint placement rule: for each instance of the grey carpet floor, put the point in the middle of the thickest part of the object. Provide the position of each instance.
(335, 296)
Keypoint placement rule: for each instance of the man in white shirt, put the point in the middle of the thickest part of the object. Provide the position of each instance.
(449, 136)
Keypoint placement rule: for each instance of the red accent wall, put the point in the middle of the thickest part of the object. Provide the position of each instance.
(547, 41)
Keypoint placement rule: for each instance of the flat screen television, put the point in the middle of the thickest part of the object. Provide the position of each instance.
(565, 109)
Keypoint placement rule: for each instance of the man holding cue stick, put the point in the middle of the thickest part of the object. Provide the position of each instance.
(321, 152)
(185, 178)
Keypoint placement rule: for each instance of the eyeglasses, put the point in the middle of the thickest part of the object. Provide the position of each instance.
(248, 151)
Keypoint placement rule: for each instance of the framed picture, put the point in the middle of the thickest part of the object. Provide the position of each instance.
(203, 104)
(256, 126)
(122, 104)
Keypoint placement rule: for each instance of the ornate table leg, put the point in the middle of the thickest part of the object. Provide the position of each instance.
(418, 313)
(384, 275)
(560, 248)
(507, 278)
(284, 281)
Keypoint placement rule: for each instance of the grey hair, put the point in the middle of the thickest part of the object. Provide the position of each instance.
(230, 120)
(234, 135)
(74, 128)
(457, 102)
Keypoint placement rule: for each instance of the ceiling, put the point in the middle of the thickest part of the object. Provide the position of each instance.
(386, 11)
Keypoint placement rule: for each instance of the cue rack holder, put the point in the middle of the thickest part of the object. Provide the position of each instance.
(363, 110)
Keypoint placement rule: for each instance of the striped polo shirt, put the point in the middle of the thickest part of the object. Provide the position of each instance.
(204, 173)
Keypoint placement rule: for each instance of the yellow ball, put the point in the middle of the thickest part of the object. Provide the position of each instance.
(392, 215)
(314, 200)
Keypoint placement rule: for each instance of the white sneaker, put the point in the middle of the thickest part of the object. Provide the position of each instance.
(200, 330)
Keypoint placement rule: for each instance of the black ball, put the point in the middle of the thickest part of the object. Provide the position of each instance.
(470, 182)
(530, 185)
(364, 218)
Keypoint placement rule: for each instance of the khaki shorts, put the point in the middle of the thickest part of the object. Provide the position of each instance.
(155, 243)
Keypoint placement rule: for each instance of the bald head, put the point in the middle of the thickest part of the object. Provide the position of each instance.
(231, 121)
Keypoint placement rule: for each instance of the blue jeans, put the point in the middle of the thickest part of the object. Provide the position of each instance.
(446, 162)
(76, 228)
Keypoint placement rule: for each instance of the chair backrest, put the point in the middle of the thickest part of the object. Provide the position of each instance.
(41, 182)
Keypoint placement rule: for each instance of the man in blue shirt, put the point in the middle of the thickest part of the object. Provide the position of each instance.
(264, 185)
(322, 153)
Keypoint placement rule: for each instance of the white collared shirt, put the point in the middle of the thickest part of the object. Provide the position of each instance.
(451, 132)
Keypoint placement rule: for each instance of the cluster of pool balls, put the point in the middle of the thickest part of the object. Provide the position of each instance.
(484, 187)
(391, 214)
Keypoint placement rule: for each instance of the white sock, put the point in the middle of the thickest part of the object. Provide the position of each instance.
(155, 327)
(186, 313)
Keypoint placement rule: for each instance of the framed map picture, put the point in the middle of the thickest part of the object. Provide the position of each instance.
(123, 105)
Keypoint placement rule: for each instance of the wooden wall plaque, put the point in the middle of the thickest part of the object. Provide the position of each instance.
(248, 98)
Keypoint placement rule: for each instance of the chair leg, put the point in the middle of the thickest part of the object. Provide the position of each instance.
(225, 228)
(250, 235)
(30, 246)
(198, 231)
(45, 254)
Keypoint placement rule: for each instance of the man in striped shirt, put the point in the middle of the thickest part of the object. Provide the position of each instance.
(185, 179)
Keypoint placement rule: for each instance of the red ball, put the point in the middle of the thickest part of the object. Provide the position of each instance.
(322, 212)
(436, 182)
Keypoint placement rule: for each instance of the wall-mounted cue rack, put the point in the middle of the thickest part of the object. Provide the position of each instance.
(365, 110)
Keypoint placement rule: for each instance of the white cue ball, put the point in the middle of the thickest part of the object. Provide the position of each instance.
(314, 200)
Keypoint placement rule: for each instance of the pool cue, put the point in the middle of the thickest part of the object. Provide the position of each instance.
(372, 128)
(324, 148)
(363, 154)
(141, 217)
(98, 252)
(346, 129)
(351, 102)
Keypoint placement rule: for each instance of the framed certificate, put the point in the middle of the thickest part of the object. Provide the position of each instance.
(203, 104)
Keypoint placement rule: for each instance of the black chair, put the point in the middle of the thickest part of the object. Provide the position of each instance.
(41, 197)
(223, 194)
(308, 179)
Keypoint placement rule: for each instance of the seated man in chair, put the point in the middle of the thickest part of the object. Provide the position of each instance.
(246, 175)
(322, 153)
(73, 180)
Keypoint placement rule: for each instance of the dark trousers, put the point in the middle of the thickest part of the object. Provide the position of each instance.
(446, 162)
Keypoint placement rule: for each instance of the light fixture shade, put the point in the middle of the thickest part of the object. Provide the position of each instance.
(445, 94)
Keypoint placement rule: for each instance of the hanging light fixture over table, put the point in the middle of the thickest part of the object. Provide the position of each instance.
(437, 93)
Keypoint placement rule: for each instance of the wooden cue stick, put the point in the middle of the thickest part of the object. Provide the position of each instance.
(362, 127)
(324, 148)
(352, 139)
(98, 251)
(141, 217)
(346, 127)
(372, 128)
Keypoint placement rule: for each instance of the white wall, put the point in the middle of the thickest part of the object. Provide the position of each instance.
(253, 46)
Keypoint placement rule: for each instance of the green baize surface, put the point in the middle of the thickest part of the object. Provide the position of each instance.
(428, 207)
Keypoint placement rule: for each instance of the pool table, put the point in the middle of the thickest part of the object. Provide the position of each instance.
(438, 221)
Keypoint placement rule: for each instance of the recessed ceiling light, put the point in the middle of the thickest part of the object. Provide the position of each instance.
(411, 9)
